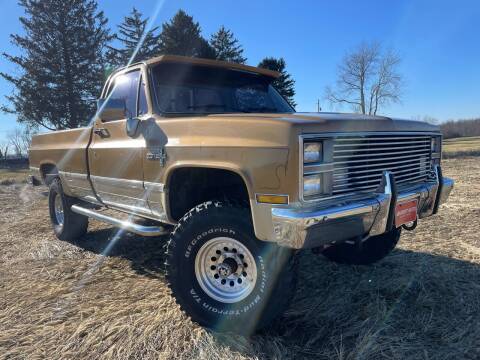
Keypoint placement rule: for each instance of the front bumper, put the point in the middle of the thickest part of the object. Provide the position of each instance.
(370, 214)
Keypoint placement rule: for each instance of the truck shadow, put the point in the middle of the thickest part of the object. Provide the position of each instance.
(410, 303)
(145, 254)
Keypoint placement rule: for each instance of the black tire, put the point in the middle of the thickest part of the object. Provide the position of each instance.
(74, 225)
(276, 270)
(372, 250)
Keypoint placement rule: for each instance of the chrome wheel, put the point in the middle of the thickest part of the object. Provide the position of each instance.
(58, 207)
(225, 269)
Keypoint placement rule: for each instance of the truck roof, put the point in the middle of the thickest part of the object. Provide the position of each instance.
(209, 62)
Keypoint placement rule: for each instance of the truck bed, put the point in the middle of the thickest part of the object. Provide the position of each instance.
(66, 150)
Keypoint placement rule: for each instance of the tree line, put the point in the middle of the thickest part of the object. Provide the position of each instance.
(67, 51)
(460, 128)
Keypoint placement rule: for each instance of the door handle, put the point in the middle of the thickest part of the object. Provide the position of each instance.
(102, 132)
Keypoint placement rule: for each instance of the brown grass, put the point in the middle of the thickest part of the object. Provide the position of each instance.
(61, 300)
(12, 176)
(461, 147)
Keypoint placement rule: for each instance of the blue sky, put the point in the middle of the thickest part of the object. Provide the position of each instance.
(439, 42)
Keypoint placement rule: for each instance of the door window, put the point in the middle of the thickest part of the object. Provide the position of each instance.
(125, 87)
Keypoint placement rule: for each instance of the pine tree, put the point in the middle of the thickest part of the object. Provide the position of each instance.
(226, 47)
(284, 84)
(182, 36)
(131, 33)
(61, 63)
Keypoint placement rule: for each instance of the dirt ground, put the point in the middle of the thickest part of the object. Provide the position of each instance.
(100, 298)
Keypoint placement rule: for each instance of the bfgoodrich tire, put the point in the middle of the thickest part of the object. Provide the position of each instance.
(222, 276)
(67, 225)
(372, 250)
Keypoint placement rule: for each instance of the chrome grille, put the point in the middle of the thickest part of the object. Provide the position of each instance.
(359, 161)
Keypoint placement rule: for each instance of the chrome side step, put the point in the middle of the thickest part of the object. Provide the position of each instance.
(123, 224)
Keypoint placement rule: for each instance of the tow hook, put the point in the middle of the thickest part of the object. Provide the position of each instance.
(410, 226)
(360, 240)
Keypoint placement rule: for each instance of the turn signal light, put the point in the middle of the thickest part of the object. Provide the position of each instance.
(272, 199)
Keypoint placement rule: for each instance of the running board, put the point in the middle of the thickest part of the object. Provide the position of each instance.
(123, 224)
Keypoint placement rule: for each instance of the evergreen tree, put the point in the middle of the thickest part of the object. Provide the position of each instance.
(131, 32)
(226, 47)
(284, 84)
(61, 63)
(182, 36)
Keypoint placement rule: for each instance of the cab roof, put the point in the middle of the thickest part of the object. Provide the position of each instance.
(209, 62)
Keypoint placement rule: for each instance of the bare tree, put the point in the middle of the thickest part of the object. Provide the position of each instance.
(367, 80)
(20, 140)
(26, 138)
(15, 138)
(4, 149)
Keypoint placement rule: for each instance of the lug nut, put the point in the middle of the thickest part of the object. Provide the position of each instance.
(213, 267)
(232, 283)
(224, 281)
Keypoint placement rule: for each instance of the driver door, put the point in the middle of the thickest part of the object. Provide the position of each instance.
(116, 160)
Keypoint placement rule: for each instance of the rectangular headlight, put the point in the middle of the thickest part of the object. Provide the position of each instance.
(312, 152)
(312, 185)
(436, 148)
(436, 144)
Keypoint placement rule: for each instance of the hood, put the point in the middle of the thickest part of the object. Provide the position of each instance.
(339, 122)
(274, 130)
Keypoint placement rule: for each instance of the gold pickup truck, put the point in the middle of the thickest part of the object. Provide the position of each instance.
(211, 154)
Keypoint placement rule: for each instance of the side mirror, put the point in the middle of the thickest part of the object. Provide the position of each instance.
(111, 109)
(132, 127)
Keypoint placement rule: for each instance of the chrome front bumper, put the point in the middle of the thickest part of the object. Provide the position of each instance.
(371, 214)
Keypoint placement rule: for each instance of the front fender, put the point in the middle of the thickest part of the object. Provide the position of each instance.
(263, 171)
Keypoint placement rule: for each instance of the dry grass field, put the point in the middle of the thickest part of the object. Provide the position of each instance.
(460, 147)
(99, 298)
(9, 176)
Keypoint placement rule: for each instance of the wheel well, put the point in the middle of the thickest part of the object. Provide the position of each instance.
(48, 172)
(192, 186)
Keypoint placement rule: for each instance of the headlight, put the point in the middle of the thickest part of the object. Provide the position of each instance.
(436, 144)
(312, 152)
(316, 167)
(312, 185)
(436, 148)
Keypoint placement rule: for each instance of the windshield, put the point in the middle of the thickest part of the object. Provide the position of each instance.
(186, 89)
